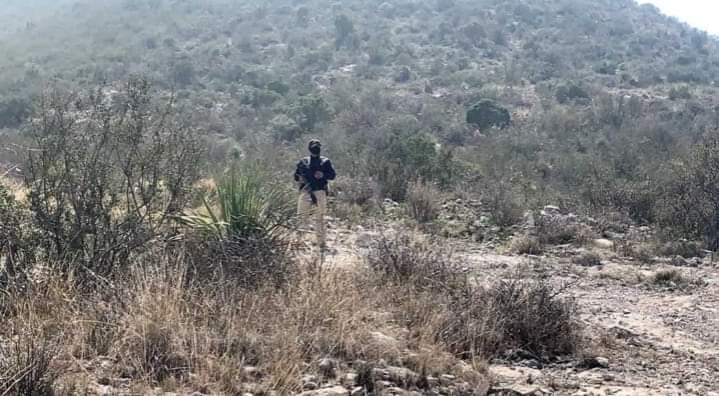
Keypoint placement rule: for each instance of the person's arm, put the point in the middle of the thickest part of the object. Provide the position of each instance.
(299, 174)
(329, 171)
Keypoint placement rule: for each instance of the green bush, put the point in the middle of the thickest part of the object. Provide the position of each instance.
(487, 114)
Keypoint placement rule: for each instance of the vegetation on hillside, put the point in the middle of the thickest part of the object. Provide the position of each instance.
(136, 231)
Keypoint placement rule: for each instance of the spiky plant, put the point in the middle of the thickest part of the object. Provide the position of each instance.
(247, 204)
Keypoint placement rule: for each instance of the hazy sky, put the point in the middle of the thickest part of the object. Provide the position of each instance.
(703, 14)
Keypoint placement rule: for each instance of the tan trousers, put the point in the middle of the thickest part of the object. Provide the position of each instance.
(306, 211)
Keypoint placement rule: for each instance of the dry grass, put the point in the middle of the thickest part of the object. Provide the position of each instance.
(162, 330)
(525, 244)
(423, 202)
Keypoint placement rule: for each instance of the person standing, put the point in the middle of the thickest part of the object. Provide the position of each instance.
(312, 175)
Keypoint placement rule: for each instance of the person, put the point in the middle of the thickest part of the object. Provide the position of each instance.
(312, 175)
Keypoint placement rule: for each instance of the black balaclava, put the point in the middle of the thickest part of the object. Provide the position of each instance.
(315, 147)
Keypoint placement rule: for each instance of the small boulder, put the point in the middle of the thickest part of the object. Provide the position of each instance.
(333, 391)
(602, 243)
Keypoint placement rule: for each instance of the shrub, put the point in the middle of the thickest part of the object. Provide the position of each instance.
(486, 114)
(402, 259)
(569, 92)
(680, 92)
(242, 235)
(673, 279)
(344, 28)
(12, 235)
(28, 356)
(107, 174)
(688, 203)
(502, 203)
(525, 244)
(422, 202)
(588, 259)
(14, 111)
(682, 247)
(530, 315)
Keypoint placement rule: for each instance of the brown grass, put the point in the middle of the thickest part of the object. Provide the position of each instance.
(160, 331)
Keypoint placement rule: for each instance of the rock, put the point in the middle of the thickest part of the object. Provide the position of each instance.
(252, 372)
(394, 391)
(309, 386)
(446, 379)
(349, 380)
(333, 391)
(327, 367)
(401, 375)
(517, 390)
(487, 114)
(602, 243)
(513, 375)
(594, 362)
(380, 385)
(357, 391)
(551, 210)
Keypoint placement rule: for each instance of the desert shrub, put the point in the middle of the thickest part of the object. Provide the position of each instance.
(680, 92)
(501, 200)
(309, 111)
(344, 28)
(14, 111)
(673, 279)
(530, 315)
(688, 201)
(107, 174)
(358, 190)
(402, 259)
(486, 114)
(642, 252)
(27, 357)
(525, 244)
(406, 156)
(558, 230)
(241, 233)
(423, 202)
(588, 259)
(682, 247)
(570, 92)
(13, 236)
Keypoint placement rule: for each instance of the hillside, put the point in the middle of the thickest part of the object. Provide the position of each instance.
(526, 200)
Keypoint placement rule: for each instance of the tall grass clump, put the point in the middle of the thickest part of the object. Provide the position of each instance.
(243, 227)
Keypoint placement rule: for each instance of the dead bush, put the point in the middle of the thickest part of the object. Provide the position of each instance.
(502, 203)
(423, 202)
(673, 279)
(530, 315)
(682, 247)
(106, 175)
(525, 244)
(248, 262)
(26, 360)
(553, 230)
(588, 259)
(407, 259)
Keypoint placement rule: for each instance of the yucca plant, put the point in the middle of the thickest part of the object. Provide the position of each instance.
(246, 205)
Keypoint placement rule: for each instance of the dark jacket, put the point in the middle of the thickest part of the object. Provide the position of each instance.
(305, 173)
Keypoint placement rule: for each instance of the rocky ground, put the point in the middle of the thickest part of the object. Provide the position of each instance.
(646, 337)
